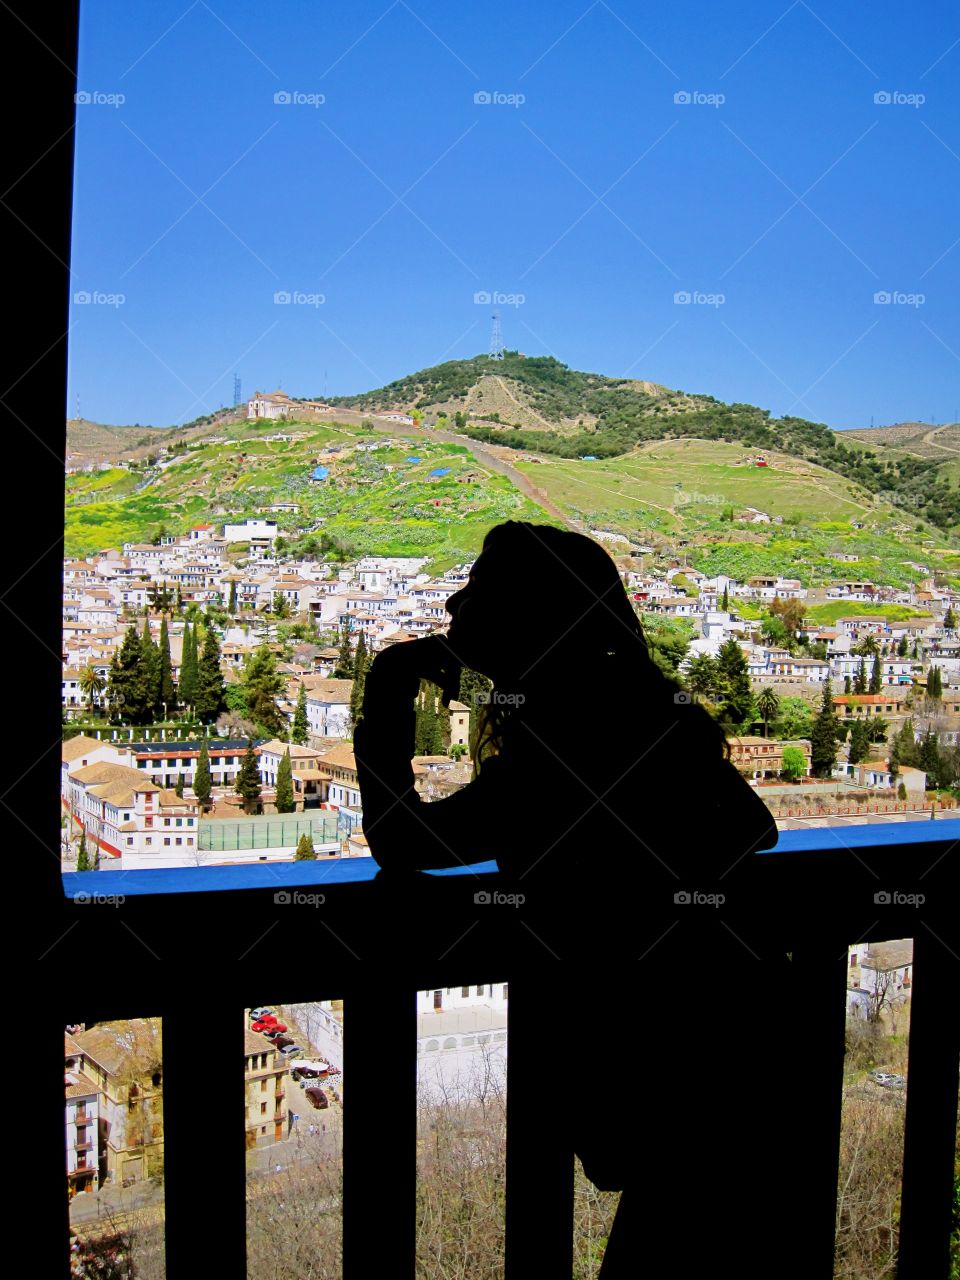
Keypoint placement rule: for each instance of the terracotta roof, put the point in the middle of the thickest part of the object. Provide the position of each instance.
(340, 757)
(77, 748)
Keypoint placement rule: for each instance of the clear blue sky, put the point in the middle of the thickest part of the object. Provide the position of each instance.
(598, 198)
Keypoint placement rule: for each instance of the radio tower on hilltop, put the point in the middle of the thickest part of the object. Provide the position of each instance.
(496, 338)
(236, 389)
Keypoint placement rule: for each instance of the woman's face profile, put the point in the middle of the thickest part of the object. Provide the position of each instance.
(478, 632)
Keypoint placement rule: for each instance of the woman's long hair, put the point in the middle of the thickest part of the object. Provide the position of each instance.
(594, 628)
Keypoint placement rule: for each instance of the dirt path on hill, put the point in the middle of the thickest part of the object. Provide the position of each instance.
(928, 439)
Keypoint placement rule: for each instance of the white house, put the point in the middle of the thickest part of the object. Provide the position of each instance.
(251, 530)
(328, 706)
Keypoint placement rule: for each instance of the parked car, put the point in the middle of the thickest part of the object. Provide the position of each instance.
(258, 1013)
(318, 1098)
(269, 1018)
(291, 1050)
(282, 1042)
(266, 1027)
(310, 1070)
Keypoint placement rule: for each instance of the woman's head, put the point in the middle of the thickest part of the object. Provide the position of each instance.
(539, 599)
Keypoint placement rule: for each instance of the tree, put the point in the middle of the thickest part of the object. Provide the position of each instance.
(232, 605)
(301, 729)
(127, 690)
(305, 849)
(91, 683)
(903, 749)
(950, 619)
(790, 610)
(876, 676)
(285, 801)
(736, 694)
(83, 858)
(428, 737)
(846, 685)
(203, 780)
(823, 738)
(248, 785)
(161, 598)
(868, 646)
(725, 600)
(181, 782)
(859, 742)
(768, 704)
(860, 679)
(794, 719)
(793, 763)
(934, 684)
(263, 685)
(903, 647)
(187, 688)
(281, 605)
(210, 687)
(902, 791)
(344, 668)
(168, 692)
(361, 664)
(702, 675)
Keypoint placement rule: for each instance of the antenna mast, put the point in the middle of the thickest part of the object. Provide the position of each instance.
(496, 338)
(236, 389)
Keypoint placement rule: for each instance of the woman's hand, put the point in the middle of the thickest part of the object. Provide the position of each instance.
(396, 672)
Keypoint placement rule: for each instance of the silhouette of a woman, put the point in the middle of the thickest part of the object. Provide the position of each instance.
(592, 770)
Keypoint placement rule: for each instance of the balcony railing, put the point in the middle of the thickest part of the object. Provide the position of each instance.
(817, 892)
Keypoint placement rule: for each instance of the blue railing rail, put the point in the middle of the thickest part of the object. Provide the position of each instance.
(197, 958)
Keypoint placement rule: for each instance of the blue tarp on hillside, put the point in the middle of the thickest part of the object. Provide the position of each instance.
(414, 459)
(441, 471)
(319, 473)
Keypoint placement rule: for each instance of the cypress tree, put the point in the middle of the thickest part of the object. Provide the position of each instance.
(151, 673)
(210, 687)
(285, 802)
(187, 691)
(361, 664)
(427, 737)
(301, 729)
(248, 780)
(823, 737)
(344, 668)
(876, 676)
(203, 781)
(262, 685)
(737, 699)
(180, 785)
(83, 858)
(859, 742)
(934, 683)
(725, 602)
(846, 684)
(950, 619)
(930, 758)
(305, 849)
(232, 606)
(903, 648)
(860, 679)
(168, 692)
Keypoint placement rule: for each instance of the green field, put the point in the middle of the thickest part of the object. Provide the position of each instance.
(829, 613)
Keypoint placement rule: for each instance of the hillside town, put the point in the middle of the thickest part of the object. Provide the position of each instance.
(296, 636)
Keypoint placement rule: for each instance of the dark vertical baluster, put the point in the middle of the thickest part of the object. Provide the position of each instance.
(203, 1121)
(931, 1121)
(379, 1131)
(539, 1216)
(816, 1007)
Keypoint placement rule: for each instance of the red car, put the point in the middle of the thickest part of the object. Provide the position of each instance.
(268, 1026)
